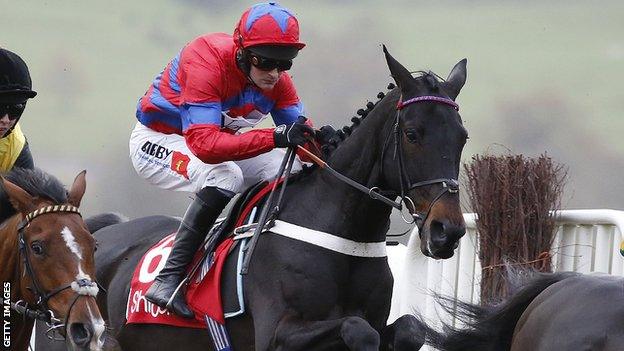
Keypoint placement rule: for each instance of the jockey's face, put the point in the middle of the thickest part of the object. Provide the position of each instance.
(265, 80)
(6, 124)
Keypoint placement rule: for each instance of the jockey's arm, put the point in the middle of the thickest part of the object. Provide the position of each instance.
(288, 110)
(211, 144)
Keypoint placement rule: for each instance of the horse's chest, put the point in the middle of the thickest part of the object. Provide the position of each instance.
(336, 286)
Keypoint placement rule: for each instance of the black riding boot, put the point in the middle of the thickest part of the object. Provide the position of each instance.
(198, 219)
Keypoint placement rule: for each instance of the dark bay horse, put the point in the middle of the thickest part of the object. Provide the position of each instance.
(563, 311)
(302, 296)
(46, 255)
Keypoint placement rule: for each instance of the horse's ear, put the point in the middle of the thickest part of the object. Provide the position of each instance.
(78, 189)
(401, 75)
(456, 79)
(18, 197)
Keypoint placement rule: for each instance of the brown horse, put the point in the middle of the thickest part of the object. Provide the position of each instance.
(46, 255)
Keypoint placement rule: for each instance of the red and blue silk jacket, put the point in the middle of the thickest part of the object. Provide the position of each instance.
(203, 96)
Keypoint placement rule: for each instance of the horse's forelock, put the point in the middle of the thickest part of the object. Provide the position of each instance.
(38, 184)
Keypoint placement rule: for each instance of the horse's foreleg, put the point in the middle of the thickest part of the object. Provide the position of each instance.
(294, 334)
(404, 334)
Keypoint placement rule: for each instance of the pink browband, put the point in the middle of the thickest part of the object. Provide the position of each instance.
(429, 98)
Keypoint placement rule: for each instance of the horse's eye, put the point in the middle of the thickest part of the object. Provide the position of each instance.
(412, 135)
(37, 248)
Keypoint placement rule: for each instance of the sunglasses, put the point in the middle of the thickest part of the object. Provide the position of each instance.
(14, 111)
(267, 64)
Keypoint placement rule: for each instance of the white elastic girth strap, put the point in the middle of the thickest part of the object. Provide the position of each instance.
(329, 241)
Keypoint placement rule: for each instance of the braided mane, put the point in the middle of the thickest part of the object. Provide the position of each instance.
(428, 77)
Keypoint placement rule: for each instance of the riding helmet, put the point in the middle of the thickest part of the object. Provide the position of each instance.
(15, 82)
(268, 30)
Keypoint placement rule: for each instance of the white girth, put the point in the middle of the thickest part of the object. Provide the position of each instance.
(329, 241)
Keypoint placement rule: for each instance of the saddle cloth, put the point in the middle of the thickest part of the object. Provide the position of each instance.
(211, 294)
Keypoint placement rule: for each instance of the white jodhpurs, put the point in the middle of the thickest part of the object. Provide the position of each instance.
(165, 161)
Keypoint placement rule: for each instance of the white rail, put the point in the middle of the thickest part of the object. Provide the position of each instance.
(586, 241)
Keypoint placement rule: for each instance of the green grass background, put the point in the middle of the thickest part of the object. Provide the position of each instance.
(543, 76)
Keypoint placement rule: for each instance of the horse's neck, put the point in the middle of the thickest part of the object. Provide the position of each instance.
(9, 255)
(324, 203)
(10, 260)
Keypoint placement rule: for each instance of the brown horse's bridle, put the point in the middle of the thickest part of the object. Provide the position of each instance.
(41, 311)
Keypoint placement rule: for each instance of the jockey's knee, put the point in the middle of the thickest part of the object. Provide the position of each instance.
(227, 176)
(270, 170)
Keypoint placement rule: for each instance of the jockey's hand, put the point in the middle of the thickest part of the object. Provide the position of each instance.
(292, 135)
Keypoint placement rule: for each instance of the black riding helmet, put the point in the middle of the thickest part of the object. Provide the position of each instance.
(15, 83)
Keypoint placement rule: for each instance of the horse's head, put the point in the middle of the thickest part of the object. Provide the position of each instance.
(56, 250)
(422, 157)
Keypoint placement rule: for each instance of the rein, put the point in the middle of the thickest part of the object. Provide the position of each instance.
(449, 185)
(41, 311)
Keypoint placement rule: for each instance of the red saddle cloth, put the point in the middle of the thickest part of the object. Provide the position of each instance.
(203, 294)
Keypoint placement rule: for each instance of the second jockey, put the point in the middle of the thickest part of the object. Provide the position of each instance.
(15, 90)
(188, 136)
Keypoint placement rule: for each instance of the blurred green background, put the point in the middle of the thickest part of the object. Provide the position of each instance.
(542, 77)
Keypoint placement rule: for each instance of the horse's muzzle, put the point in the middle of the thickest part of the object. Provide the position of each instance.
(443, 238)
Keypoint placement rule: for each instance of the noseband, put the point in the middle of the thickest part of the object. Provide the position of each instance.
(41, 311)
(449, 185)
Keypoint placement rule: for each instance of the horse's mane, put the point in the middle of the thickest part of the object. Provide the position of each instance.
(429, 77)
(345, 132)
(490, 327)
(35, 182)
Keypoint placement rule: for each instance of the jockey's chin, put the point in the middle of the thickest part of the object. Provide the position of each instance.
(265, 80)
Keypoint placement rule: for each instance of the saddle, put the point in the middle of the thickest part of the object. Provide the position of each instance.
(213, 296)
(237, 216)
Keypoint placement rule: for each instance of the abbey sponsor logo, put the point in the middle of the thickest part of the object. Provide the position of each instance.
(6, 314)
(156, 150)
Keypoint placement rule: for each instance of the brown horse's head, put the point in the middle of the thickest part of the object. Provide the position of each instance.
(424, 154)
(56, 267)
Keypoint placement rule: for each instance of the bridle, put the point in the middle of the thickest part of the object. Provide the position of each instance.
(449, 185)
(41, 311)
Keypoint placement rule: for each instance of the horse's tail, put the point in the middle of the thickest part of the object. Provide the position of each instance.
(489, 327)
(102, 220)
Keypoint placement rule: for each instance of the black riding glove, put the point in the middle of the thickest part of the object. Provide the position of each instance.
(292, 135)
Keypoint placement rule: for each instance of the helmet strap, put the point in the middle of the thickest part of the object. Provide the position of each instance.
(244, 64)
(8, 132)
(242, 61)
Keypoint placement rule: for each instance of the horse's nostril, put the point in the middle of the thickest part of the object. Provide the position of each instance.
(443, 232)
(454, 231)
(81, 334)
(437, 231)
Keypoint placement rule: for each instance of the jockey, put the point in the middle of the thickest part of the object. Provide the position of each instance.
(15, 90)
(189, 137)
